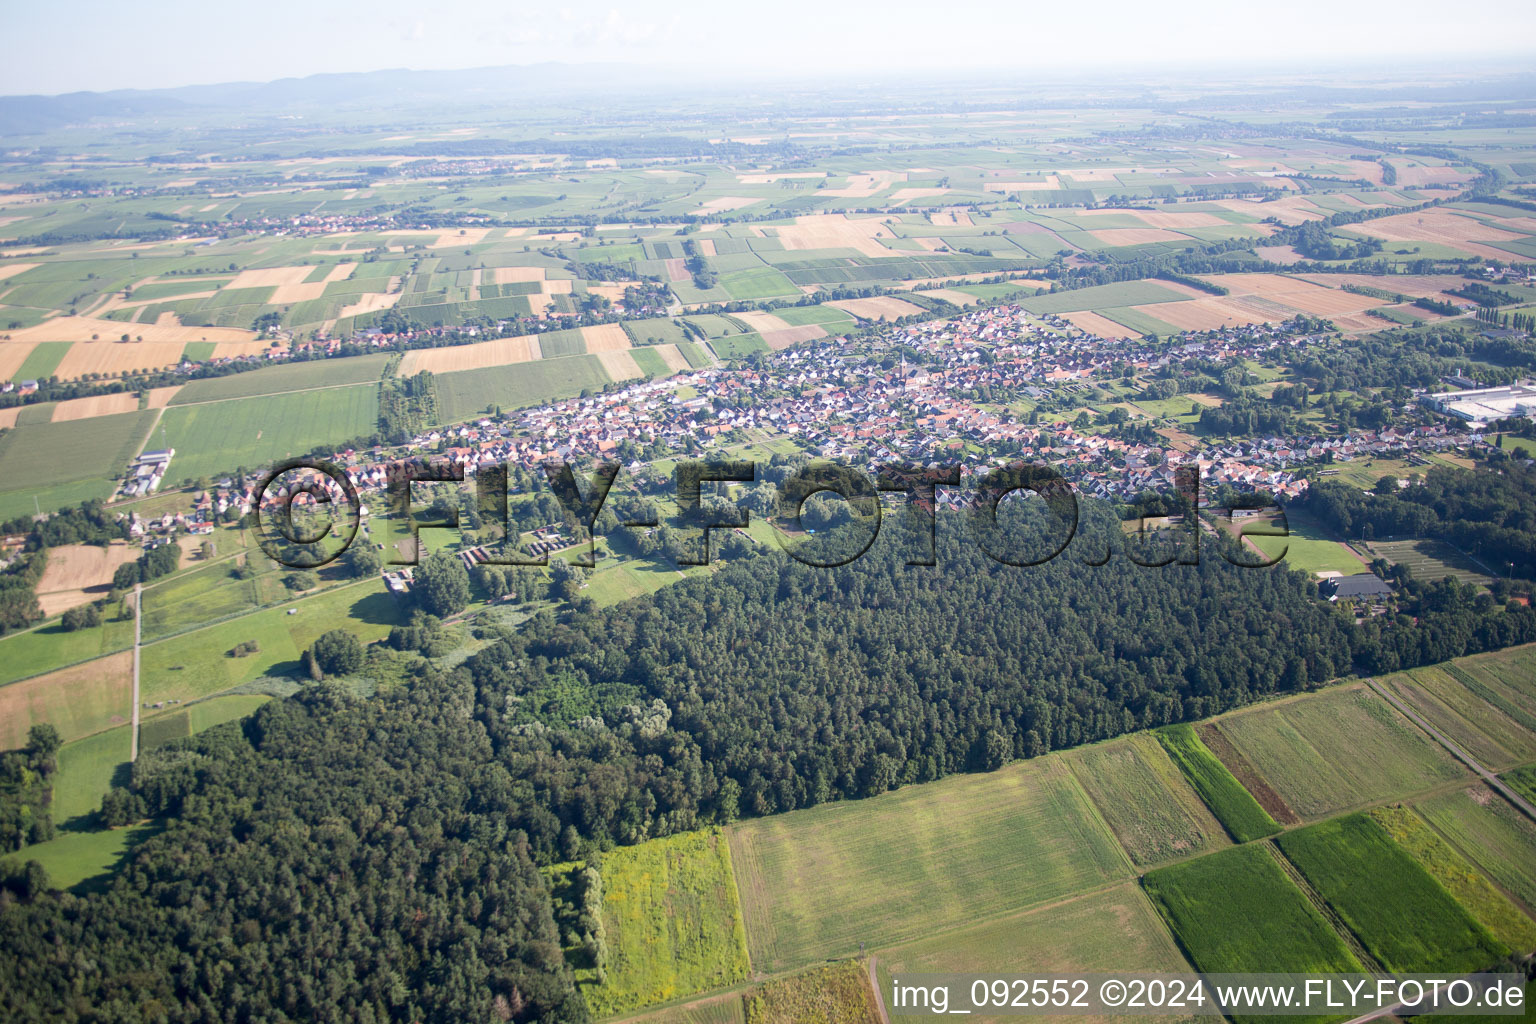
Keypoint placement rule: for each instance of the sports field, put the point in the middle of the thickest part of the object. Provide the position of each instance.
(671, 921)
(816, 883)
(257, 432)
(1166, 821)
(1339, 750)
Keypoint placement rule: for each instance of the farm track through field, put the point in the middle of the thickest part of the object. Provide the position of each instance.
(1461, 755)
(1321, 906)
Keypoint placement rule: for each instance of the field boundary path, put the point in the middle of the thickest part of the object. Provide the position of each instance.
(874, 984)
(1487, 776)
(1312, 896)
(138, 627)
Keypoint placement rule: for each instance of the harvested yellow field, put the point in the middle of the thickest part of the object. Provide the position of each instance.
(77, 574)
(11, 358)
(906, 195)
(1204, 314)
(460, 236)
(1295, 293)
(518, 275)
(619, 365)
(862, 186)
(1136, 236)
(882, 307)
(270, 277)
(726, 203)
(672, 357)
(8, 416)
(558, 287)
(1048, 183)
(835, 231)
(159, 398)
(1413, 285)
(370, 303)
(1288, 210)
(1440, 226)
(611, 292)
(501, 352)
(77, 701)
(779, 334)
(113, 358)
(85, 328)
(1410, 175)
(12, 269)
(707, 246)
(1102, 326)
(605, 338)
(95, 405)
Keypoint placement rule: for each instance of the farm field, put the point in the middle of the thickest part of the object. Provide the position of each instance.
(254, 433)
(1236, 809)
(1468, 886)
(1166, 821)
(815, 883)
(274, 380)
(462, 396)
(198, 664)
(1400, 914)
(51, 647)
(1236, 910)
(833, 994)
(1338, 750)
(672, 922)
(1490, 833)
(77, 700)
(1110, 929)
(1485, 732)
(88, 768)
(66, 462)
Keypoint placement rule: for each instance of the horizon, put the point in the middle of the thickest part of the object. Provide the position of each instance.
(354, 38)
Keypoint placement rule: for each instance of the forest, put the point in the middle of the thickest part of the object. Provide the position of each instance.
(337, 856)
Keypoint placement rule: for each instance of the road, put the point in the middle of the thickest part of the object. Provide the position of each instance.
(138, 634)
(1461, 755)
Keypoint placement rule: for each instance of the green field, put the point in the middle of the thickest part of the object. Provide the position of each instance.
(1491, 833)
(1465, 883)
(1236, 911)
(805, 316)
(1166, 820)
(738, 346)
(1490, 736)
(672, 922)
(1338, 750)
(66, 462)
(1110, 929)
(816, 883)
(1402, 916)
(44, 358)
(274, 380)
(205, 595)
(1308, 548)
(1236, 809)
(75, 859)
(469, 393)
(88, 768)
(50, 647)
(198, 663)
(1105, 296)
(1522, 781)
(257, 432)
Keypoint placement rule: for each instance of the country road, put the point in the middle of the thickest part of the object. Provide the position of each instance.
(1461, 755)
(138, 636)
(874, 984)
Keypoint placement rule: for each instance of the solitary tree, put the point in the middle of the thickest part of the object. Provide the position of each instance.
(338, 653)
(442, 584)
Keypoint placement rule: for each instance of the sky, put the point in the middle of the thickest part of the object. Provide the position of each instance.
(94, 45)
